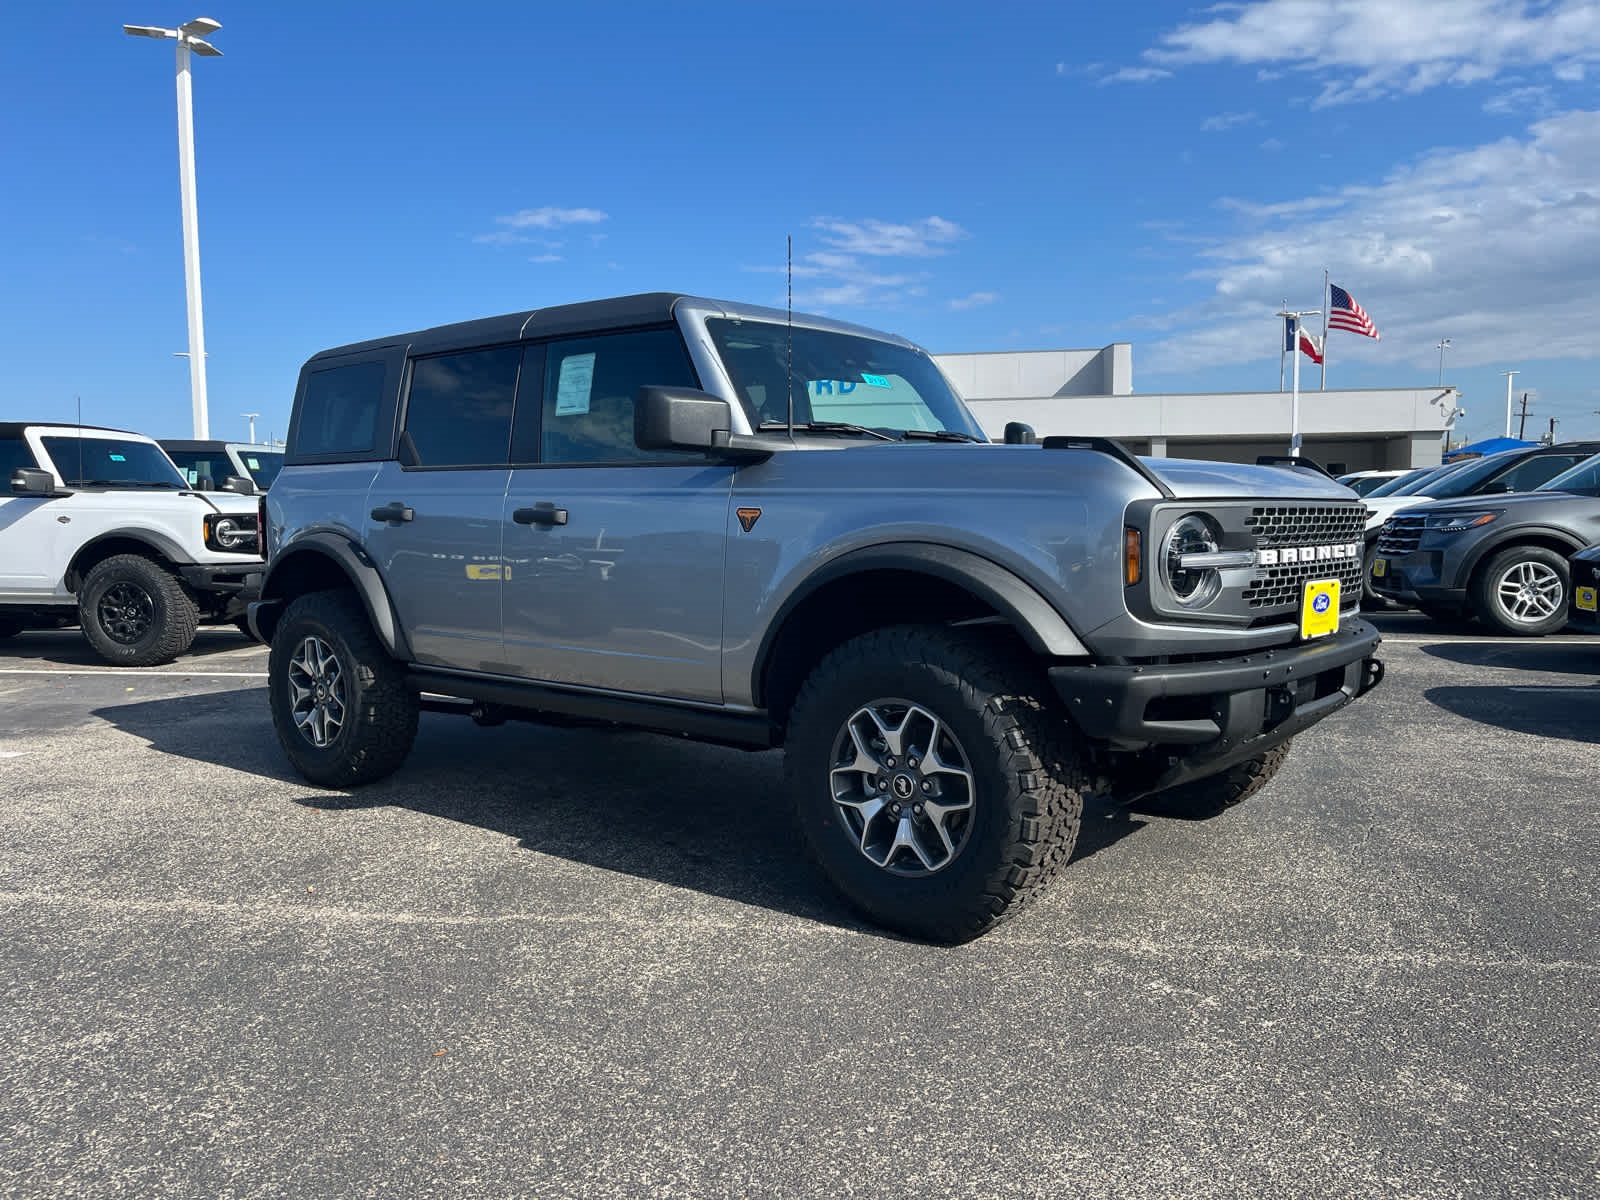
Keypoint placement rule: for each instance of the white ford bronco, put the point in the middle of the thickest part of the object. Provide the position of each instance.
(765, 529)
(98, 526)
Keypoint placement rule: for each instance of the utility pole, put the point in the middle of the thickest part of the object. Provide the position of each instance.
(1522, 425)
(1554, 421)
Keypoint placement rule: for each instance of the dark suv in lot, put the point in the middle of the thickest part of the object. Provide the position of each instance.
(1500, 558)
(767, 529)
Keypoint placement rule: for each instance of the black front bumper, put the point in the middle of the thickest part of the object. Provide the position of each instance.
(230, 585)
(1206, 716)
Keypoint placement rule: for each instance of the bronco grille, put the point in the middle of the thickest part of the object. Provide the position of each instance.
(1284, 525)
(1401, 535)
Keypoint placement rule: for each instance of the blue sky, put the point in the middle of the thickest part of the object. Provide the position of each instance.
(977, 177)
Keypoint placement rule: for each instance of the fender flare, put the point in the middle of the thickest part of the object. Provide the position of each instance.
(1512, 537)
(356, 565)
(1045, 630)
(157, 541)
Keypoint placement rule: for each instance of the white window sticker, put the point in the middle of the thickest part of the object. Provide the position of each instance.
(574, 385)
(253, 463)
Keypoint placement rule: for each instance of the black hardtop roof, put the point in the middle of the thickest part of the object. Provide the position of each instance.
(588, 316)
(621, 312)
(213, 444)
(13, 429)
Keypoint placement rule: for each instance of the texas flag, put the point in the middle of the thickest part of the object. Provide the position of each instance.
(1308, 342)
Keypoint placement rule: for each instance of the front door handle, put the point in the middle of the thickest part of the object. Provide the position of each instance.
(393, 513)
(543, 513)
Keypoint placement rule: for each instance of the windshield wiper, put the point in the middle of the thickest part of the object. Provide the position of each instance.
(822, 427)
(937, 435)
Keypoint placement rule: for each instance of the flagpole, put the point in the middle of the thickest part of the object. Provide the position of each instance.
(1324, 386)
(1282, 349)
(1294, 405)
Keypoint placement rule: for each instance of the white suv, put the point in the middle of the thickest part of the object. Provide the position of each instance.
(97, 524)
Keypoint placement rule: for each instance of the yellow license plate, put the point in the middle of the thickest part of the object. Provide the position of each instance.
(1585, 599)
(1380, 567)
(1319, 608)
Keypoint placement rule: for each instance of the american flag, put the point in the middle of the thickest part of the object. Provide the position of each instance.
(1345, 313)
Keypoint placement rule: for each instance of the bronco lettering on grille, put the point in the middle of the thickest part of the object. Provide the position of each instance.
(1307, 554)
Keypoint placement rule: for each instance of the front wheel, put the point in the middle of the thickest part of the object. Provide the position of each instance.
(932, 786)
(340, 706)
(135, 612)
(1522, 591)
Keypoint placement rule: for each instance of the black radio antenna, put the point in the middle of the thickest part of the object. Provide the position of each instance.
(789, 325)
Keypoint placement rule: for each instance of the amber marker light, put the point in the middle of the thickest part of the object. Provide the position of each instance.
(1132, 556)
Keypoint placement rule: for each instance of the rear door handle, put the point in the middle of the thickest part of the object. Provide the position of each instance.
(543, 513)
(393, 513)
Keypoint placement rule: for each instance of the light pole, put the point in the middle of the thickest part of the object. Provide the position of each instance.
(1443, 343)
(251, 417)
(189, 37)
(1292, 322)
(1509, 375)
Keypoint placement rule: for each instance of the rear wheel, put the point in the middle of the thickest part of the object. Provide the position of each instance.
(1522, 591)
(932, 786)
(340, 706)
(135, 612)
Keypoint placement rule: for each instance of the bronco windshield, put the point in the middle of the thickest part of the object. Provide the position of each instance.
(112, 462)
(836, 377)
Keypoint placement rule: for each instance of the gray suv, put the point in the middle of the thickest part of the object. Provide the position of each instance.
(764, 529)
(1500, 558)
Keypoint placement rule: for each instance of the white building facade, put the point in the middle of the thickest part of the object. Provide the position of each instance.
(1089, 393)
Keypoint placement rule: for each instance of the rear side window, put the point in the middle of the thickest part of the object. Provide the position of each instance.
(459, 409)
(14, 453)
(589, 390)
(339, 411)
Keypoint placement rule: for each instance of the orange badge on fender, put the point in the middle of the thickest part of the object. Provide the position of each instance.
(748, 517)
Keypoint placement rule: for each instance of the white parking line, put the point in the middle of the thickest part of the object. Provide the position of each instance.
(137, 673)
(1390, 639)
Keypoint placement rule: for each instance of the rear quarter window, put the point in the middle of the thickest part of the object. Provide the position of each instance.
(339, 411)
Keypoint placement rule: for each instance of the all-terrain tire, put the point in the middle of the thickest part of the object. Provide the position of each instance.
(1522, 591)
(136, 612)
(970, 746)
(340, 705)
(1215, 793)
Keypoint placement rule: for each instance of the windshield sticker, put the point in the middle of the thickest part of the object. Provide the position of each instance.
(119, 458)
(253, 463)
(875, 380)
(574, 385)
(826, 387)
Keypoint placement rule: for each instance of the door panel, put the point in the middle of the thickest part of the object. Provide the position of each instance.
(627, 593)
(443, 566)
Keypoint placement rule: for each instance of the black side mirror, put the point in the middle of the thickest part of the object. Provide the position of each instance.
(239, 484)
(28, 481)
(205, 483)
(1020, 433)
(680, 418)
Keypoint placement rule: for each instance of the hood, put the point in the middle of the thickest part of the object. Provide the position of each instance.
(1195, 479)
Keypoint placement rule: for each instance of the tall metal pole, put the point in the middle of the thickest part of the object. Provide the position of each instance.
(1509, 375)
(191, 246)
(1294, 406)
(1443, 342)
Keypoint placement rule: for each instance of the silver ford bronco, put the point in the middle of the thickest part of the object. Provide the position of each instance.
(764, 529)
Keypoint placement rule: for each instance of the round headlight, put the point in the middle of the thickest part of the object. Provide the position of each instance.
(1192, 587)
(232, 532)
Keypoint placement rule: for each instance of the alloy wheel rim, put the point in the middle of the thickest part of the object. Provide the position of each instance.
(902, 787)
(125, 612)
(317, 694)
(1530, 592)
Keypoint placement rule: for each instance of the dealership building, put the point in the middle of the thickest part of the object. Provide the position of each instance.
(1089, 393)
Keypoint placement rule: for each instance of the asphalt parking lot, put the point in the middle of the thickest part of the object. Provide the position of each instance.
(582, 963)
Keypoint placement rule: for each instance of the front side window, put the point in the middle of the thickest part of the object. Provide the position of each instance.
(111, 462)
(1581, 480)
(833, 376)
(589, 390)
(14, 455)
(339, 413)
(263, 466)
(459, 409)
(1539, 469)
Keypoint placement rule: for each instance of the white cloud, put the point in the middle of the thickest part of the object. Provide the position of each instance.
(1497, 246)
(1136, 75)
(1520, 100)
(546, 258)
(918, 239)
(1228, 120)
(1363, 49)
(551, 218)
(973, 300)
